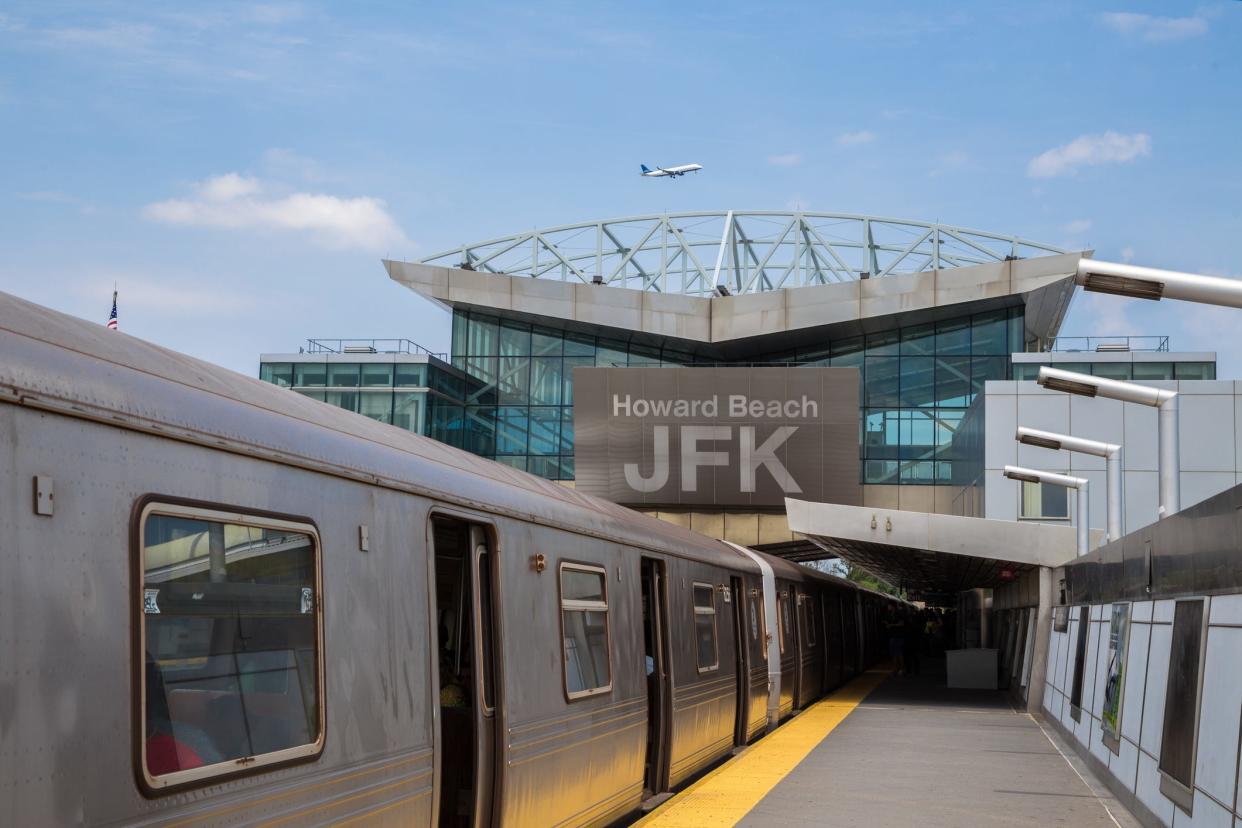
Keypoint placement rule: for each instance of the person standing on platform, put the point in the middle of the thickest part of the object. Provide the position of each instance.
(894, 628)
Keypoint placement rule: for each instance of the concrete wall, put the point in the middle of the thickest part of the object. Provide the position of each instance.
(1135, 768)
(1211, 417)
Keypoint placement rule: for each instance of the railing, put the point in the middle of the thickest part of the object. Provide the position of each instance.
(1106, 344)
(370, 346)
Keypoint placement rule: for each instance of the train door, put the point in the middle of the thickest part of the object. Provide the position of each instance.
(464, 562)
(743, 660)
(659, 670)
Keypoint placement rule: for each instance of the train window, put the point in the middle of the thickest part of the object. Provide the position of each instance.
(808, 618)
(584, 620)
(705, 626)
(1181, 702)
(781, 620)
(232, 673)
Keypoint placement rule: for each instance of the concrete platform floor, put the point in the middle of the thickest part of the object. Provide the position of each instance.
(916, 753)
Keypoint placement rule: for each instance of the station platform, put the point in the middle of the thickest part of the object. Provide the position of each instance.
(900, 750)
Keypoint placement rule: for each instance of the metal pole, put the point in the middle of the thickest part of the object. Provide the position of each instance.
(1039, 653)
(1112, 487)
(1170, 459)
(1084, 526)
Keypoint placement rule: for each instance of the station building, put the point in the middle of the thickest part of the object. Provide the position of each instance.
(943, 327)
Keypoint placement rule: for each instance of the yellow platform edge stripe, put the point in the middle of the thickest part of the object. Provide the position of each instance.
(727, 794)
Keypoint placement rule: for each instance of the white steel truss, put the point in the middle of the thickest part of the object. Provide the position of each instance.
(736, 252)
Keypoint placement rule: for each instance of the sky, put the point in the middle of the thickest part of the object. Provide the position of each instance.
(239, 170)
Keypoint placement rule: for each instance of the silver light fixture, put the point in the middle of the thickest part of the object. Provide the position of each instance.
(1150, 283)
(1066, 481)
(1111, 452)
(1166, 402)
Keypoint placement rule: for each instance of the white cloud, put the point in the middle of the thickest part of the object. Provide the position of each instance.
(234, 201)
(1077, 226)
(949, 162)
(1155, 29)
(1127, 254)
(1089, 150)
(789, 159)
(855, 139)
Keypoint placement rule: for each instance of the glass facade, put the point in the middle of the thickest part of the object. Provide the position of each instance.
(406, 393)
(1138, 371)
(916, 384)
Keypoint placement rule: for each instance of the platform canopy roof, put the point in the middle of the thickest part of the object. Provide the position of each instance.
(928, 554)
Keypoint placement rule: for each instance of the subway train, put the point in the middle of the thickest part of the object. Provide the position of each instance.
(225, 604)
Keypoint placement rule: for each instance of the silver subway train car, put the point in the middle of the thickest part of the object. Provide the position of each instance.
(225, 604)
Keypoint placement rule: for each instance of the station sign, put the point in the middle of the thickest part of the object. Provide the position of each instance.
(717, 436)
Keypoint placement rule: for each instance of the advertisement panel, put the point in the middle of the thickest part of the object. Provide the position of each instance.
(717, 436)
(1110, 716)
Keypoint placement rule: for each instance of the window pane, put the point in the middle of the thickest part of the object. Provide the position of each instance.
(611, 354)
(316, 394)
(883, 344)
(918, 381)
(1147, 371)
(882, 381)
(482, 335)
(511, 430)
(1195, 370)
(514, 380)
(408, 411)
(514, 340)
(705, 637)
(377, 405)
(703, 597)
(545, 431)
(447, 423)
(988, 334)
(347, 400)
(1025, 371)
(545, 381)
(1044, 500)
(1112, 370)
(918, 341)
(567, 431)
(586, 650)
(580, 345)
(545, 343)
(231, 639)
(375, 375)
(459, 333)
(580, 585)
(953, 337)
(309, 373)
(277, 373)
(343, 375)
(481, 430)
(1181, 701)
(1017, 330)
(413, 375)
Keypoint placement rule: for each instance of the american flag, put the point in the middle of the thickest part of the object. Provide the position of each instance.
(112, 316)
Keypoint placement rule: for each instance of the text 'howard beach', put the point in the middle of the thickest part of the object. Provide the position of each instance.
(737, 406)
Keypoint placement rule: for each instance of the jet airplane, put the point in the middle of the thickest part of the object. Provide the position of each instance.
(671, 172)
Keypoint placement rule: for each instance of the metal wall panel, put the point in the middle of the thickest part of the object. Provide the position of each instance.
(1194, 552)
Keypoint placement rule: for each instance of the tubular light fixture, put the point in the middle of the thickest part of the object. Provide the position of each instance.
(1166, 402)
(1111, 452)
(1065, 481)
(1150, 283)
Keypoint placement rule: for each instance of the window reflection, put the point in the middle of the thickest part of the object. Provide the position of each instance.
(231, 643)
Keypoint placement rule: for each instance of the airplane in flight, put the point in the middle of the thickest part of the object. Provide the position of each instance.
(671, 172)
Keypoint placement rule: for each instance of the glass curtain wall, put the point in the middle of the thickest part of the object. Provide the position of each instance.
(916, 384)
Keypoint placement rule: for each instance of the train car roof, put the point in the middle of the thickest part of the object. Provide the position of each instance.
(56, 362)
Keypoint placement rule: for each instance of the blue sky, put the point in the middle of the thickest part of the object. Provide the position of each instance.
(241, 169)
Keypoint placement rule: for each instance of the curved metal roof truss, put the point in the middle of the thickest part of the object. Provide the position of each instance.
(743, 252)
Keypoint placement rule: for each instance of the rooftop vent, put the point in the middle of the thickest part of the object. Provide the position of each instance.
(359, 349)
(1112, 347)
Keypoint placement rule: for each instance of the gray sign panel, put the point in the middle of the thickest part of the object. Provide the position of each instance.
(718, 436)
